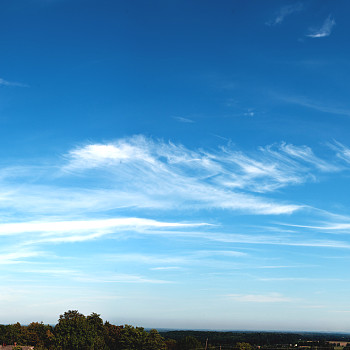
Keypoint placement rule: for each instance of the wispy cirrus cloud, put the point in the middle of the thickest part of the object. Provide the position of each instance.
(324, 31)
(165, 268)
(328, 222)
(281, 240)
(253, 239)
(84, 225)
(4, 82)
(17, 256)
(173, 173)
(226, 171)
(260, 298)
(190, 258)
(306, 155)
(342, 151)
(315, 104)
(283, 12)
(282, 266)
(139, 172)
(327, 226)
(183, 120)
(84, 230)
(120, 278)
(300, 279)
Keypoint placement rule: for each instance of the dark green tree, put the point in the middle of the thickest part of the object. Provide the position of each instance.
(74, 332)
(96, 323)
(188, 343)
(39, 335)
(15, 334)
(131, 338)
(112, 335)
(243, 346)
(154, 341)
(171, 344)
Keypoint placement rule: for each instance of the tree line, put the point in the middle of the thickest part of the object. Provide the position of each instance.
(75, 331)
(263, 340)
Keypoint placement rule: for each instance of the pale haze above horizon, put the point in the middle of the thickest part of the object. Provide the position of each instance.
(176, 164)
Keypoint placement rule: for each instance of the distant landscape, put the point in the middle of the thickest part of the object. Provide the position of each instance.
(75, 331)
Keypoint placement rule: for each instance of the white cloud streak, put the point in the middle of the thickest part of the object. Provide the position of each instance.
(140, 173)
(285, 11)
(256, 239)
(306, 279)
(260, 298)
(121, 278)
(327, 226)
(315, 105)
(189, 258)
(16, 257)
(89, 225)
(342, 152)
(325, 30)
(306, 155)
(4, 82)
(183, 120)
(276, 240)
(85, 230)
(200, 179)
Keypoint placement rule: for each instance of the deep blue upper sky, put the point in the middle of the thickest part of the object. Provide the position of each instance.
(113, 68)
(176, 163)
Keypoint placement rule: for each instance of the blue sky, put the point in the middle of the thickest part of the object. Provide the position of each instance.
(176, 164)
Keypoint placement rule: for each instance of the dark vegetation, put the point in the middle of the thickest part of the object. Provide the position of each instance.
(262, 339)
(74, 331)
